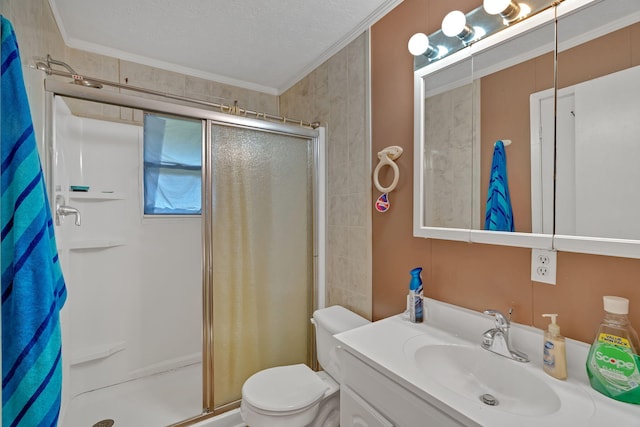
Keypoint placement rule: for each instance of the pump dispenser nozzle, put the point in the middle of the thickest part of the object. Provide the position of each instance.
(554, 328)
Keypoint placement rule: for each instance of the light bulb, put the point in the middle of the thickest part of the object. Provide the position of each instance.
(494, 7)
(505, 8)
(455, 25)
(418, 44)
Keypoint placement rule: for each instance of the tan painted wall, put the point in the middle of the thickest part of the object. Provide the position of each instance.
(472, 275)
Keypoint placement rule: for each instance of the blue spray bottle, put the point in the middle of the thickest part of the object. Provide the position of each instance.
(415, 296)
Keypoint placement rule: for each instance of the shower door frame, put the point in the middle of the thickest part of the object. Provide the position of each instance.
(55, 87)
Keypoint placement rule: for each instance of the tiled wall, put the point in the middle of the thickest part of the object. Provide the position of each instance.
(37, 35)
(35, 28)
(138, 75)
(336, 95)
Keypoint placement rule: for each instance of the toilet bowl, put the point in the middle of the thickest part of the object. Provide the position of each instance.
(295, 395)
(290, 396)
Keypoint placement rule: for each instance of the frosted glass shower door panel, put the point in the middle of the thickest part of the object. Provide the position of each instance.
(262, 254)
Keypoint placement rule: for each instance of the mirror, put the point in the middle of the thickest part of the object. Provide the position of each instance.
(597, 204)
(465, 103)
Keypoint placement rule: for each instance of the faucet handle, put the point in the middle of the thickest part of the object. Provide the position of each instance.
(501, 320)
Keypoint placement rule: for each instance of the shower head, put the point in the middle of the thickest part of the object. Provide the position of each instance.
(77, 78)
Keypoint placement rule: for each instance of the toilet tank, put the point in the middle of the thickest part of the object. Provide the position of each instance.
(328, 322)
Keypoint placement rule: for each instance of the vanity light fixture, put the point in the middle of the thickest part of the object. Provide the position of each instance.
(460, 30)
(508, 9)
(454, 24)
(419, 45)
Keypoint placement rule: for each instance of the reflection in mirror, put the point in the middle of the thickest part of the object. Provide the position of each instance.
(598, 139)
(450, 155)
(507, 83)
(467, 107)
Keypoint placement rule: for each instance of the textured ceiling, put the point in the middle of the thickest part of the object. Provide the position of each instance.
(256, 44)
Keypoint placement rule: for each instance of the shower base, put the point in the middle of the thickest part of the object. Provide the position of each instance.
(154, 401)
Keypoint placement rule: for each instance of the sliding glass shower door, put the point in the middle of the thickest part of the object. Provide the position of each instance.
(260, 254)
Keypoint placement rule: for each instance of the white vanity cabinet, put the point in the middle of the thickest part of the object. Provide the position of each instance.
(356, 412)
(368, 398)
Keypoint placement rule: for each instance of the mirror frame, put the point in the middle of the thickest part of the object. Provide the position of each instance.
(581, 244)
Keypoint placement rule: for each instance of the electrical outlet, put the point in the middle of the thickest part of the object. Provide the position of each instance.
(543, 266)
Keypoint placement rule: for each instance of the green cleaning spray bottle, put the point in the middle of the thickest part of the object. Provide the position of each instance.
(613, 364)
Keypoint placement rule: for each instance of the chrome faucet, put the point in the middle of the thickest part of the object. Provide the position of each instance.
(497, 339)
(64, 210)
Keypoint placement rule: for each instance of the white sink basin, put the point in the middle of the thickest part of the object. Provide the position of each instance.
(441, 364)
(482, 376)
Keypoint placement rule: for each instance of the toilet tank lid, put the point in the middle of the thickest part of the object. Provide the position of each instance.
(338, 319)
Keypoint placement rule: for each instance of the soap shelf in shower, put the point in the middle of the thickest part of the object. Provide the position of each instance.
(95, 244)
(97, 353)
(96, 195)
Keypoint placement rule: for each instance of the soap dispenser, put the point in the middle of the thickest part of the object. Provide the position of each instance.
(554, 357)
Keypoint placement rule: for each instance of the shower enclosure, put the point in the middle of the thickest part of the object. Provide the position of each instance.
(168, 314)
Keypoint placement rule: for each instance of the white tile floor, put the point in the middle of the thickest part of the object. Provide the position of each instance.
(153, 401)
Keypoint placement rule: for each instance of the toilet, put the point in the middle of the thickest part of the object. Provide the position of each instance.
(295, 395)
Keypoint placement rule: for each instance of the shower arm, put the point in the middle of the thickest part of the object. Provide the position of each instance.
(77, 78)
(50, 61)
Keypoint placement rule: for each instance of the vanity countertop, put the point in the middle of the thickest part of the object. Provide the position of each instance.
(390, 345)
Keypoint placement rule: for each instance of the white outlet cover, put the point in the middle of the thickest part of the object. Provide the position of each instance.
(543, 266)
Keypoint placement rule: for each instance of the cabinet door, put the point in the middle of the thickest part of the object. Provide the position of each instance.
(356, 412)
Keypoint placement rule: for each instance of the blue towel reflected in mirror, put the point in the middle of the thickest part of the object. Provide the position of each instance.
(499, 214)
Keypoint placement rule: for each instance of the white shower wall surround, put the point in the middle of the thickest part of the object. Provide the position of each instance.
(134, 306)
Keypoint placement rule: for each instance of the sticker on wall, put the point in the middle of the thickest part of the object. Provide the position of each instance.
(382, 203)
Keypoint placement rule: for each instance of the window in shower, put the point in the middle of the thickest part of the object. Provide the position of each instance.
(172, 165)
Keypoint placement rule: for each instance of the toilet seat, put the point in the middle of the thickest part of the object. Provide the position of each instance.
(283, 389)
